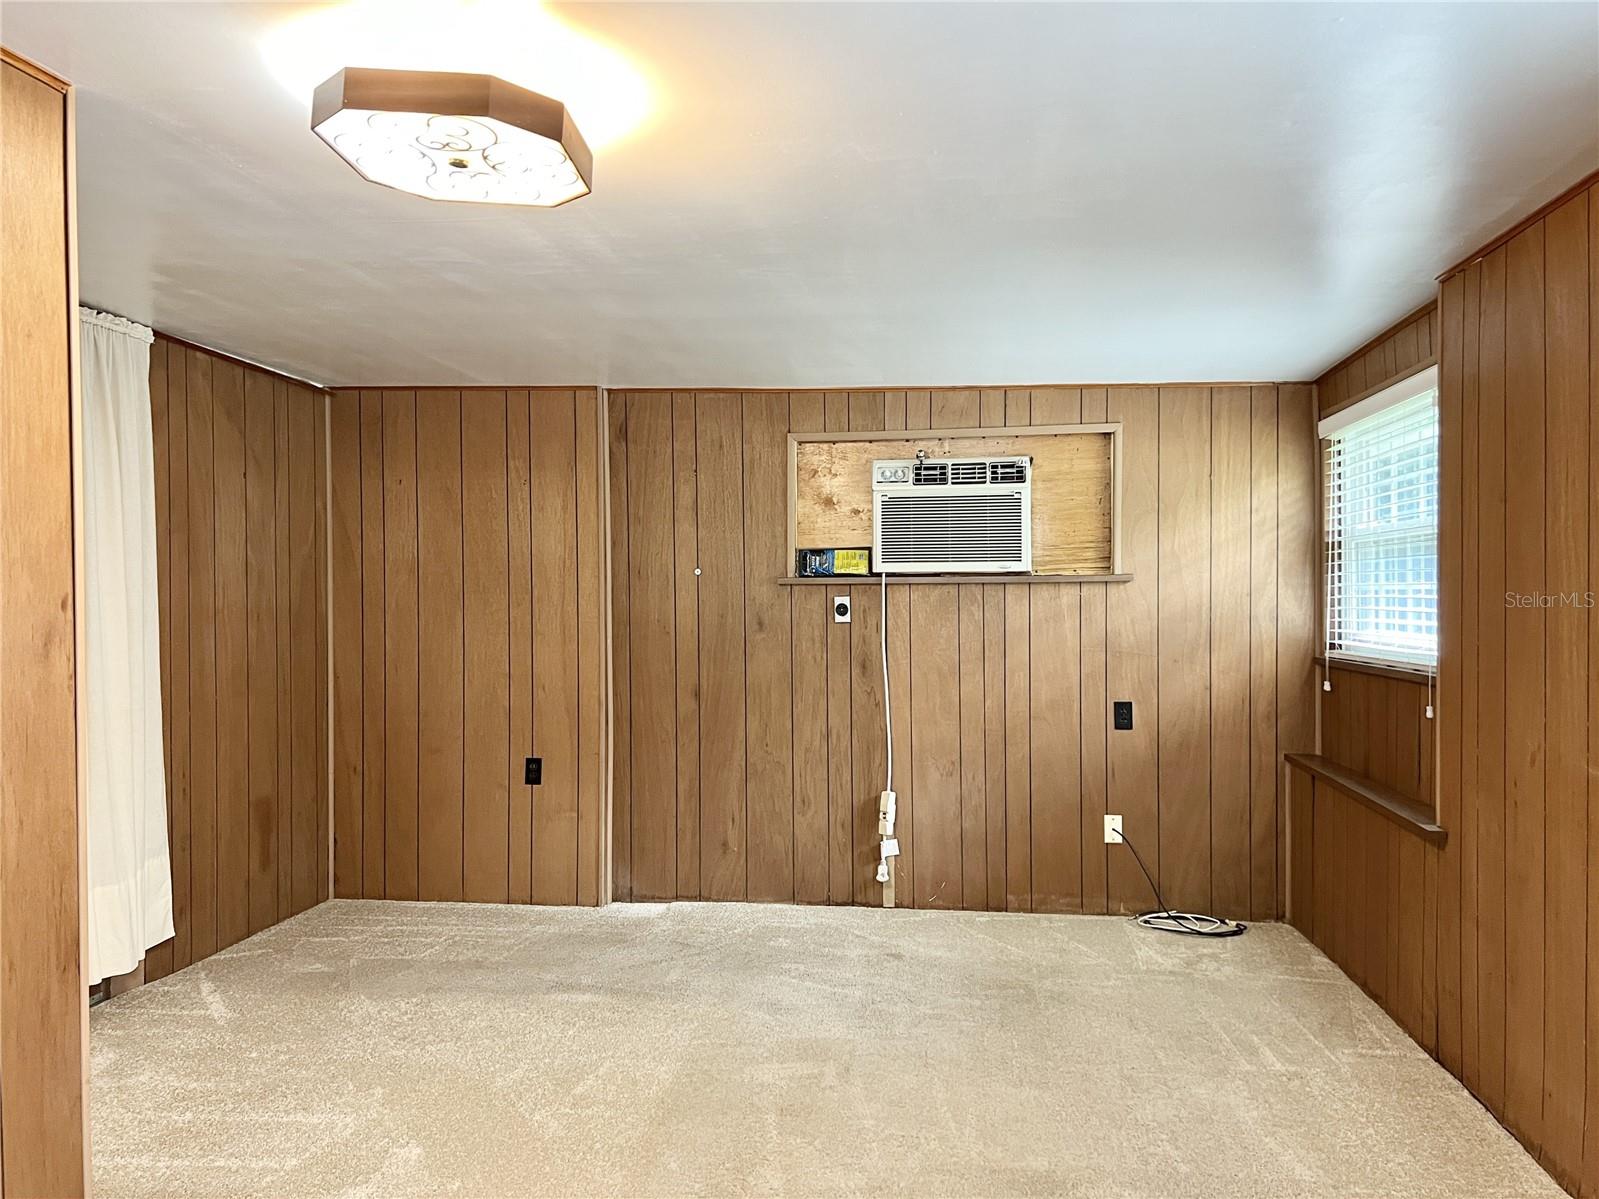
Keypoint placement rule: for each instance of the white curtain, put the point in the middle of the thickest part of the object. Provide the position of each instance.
(130, 870)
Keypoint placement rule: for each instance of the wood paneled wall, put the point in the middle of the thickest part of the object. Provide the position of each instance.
(469, 565)
(1377, 726)
(1365, 891)
(1409, 346)
(749, 726)
(240, 477)
(1371, 723)
(42, 1001)
(1512, 1004)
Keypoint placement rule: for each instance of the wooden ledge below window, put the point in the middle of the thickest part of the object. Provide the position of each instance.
(1401, 674)
(1385, 801)
(949, 580)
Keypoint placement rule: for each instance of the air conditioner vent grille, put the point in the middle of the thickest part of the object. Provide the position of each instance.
(949, 515)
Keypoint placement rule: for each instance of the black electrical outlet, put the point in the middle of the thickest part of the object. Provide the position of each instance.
(533, 772)
(1124, 713)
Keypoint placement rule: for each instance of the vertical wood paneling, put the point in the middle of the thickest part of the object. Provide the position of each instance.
(868, 756)
(1451, 586)
(401, 714)
(309, 668)
(621, 651)
(1396, 353)
(202, 660)
(374, 753)
(1466, 851)
(840, 721)
(685, 499)
(719, 442)
(486, 587)
(1185, 569)
(519, 607)
(232, 658)
(1134, 639)
(1055, 618)
(1096, 722)
(1492, 957)
(1018, 718)
(1265, 807)
(1004, 760)
(261, 595)
(593, 653)
(655, 665)
(1056, 720)
(867, 752)
(1524, 685)
(345, 591)
(229, 638)
(482, 554)
(899, 668)
(973, 771)
(1490, 738)
(555, 663)
(935, 746)
(287, 771)
(768, 666)
(442, 670)
(994, 735)
(1298, 562)
(809, 621)
(322, 658)
(1231, 491)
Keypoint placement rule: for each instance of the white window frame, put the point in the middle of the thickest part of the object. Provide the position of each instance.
(1335, 555)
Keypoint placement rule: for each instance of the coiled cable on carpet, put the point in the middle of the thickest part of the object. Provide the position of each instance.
(1189, 924)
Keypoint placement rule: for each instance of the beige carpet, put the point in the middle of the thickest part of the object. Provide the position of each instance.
(390, 1049)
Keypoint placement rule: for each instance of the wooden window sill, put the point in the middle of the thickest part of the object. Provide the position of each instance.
(1386, 802)
(949, 580)
(1401, 673)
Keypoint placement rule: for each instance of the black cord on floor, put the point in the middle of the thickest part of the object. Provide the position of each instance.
(1189, 924)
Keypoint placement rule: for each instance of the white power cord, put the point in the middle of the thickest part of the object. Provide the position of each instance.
(888, 711)
(888, 846)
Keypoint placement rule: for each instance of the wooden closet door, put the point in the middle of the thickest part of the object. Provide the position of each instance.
(42, 999)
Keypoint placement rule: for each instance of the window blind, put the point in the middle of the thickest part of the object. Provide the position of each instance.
(1382, 535)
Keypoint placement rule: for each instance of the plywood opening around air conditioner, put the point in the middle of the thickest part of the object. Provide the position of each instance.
(1076, 481)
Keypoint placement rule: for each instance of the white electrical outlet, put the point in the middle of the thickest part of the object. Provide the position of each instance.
(841, 609)
(1113, 830)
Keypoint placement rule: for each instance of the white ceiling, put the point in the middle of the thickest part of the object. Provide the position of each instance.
(835, 195)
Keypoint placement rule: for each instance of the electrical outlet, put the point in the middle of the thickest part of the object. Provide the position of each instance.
(1122, 714)
(1113, 830)
(841, 609)
(533, 772)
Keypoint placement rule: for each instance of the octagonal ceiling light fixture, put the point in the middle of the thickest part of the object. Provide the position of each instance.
(445, 136)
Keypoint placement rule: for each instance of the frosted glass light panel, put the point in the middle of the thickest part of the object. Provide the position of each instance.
(471, 138)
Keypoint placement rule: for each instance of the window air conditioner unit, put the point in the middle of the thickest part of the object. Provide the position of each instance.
(947, 515)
